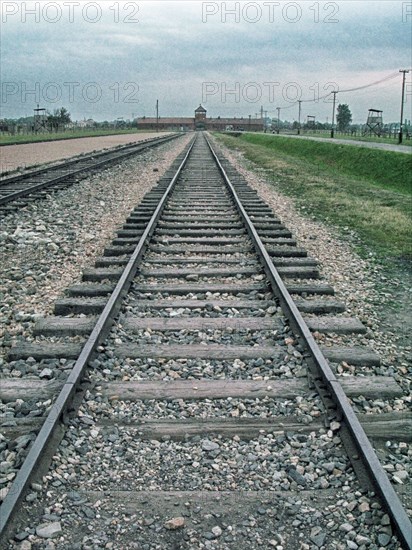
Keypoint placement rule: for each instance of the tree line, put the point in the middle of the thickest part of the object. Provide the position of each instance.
(58, 118)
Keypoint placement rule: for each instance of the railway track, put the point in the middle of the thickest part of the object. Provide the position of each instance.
(16, 191)
(192, 404)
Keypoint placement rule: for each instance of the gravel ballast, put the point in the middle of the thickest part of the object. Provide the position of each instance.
(101, 489)
(46, 245)
(359, 283)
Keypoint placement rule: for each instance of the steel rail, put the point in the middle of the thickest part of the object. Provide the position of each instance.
(111, 156)
(375, 470)
(65, 397)
(85, 157)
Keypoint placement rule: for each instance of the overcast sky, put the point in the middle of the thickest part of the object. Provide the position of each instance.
(113, 59)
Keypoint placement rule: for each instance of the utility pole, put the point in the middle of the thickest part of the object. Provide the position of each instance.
(300, 105)
(250, 116)
(266, 119)
(404, 71)
(332, 132)
(278, 110)
(157, 115)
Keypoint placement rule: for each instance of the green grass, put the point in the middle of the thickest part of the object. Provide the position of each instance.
(367, 139)
(32, 138)
(384, 168)
(366, 192)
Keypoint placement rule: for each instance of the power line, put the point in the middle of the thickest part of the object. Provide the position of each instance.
(288, 107)
(390, 77)
(316, 99)
(386, 87)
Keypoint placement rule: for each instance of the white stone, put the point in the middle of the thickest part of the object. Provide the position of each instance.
(174, 523)
(49, 530)
(217, 531)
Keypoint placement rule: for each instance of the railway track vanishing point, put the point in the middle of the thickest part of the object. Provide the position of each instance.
(192, 302)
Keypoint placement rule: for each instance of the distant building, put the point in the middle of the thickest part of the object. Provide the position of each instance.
(200, 122)
(89, 123)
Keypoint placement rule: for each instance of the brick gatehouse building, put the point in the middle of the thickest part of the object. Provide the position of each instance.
(200, 122)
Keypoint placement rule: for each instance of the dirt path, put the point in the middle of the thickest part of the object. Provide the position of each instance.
(368, 144)
(13, 157)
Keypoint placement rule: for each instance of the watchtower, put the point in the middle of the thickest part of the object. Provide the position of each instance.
(374, 124)
(40, 122)
(311, 122)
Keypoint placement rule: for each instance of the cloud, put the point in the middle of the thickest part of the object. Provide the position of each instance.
(172, 51)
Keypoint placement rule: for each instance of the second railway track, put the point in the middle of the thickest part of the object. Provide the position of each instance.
(17, 190)
(198, 410)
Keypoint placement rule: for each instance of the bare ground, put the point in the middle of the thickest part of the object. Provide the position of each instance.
(17, 157)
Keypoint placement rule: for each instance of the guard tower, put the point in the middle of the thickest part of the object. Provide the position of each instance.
(311, 122)
(200, 118)
(40, 122)
(374, 124)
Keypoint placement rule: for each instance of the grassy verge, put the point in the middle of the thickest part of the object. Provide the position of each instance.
(367, 139)
(32, 138)
(365, 191)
